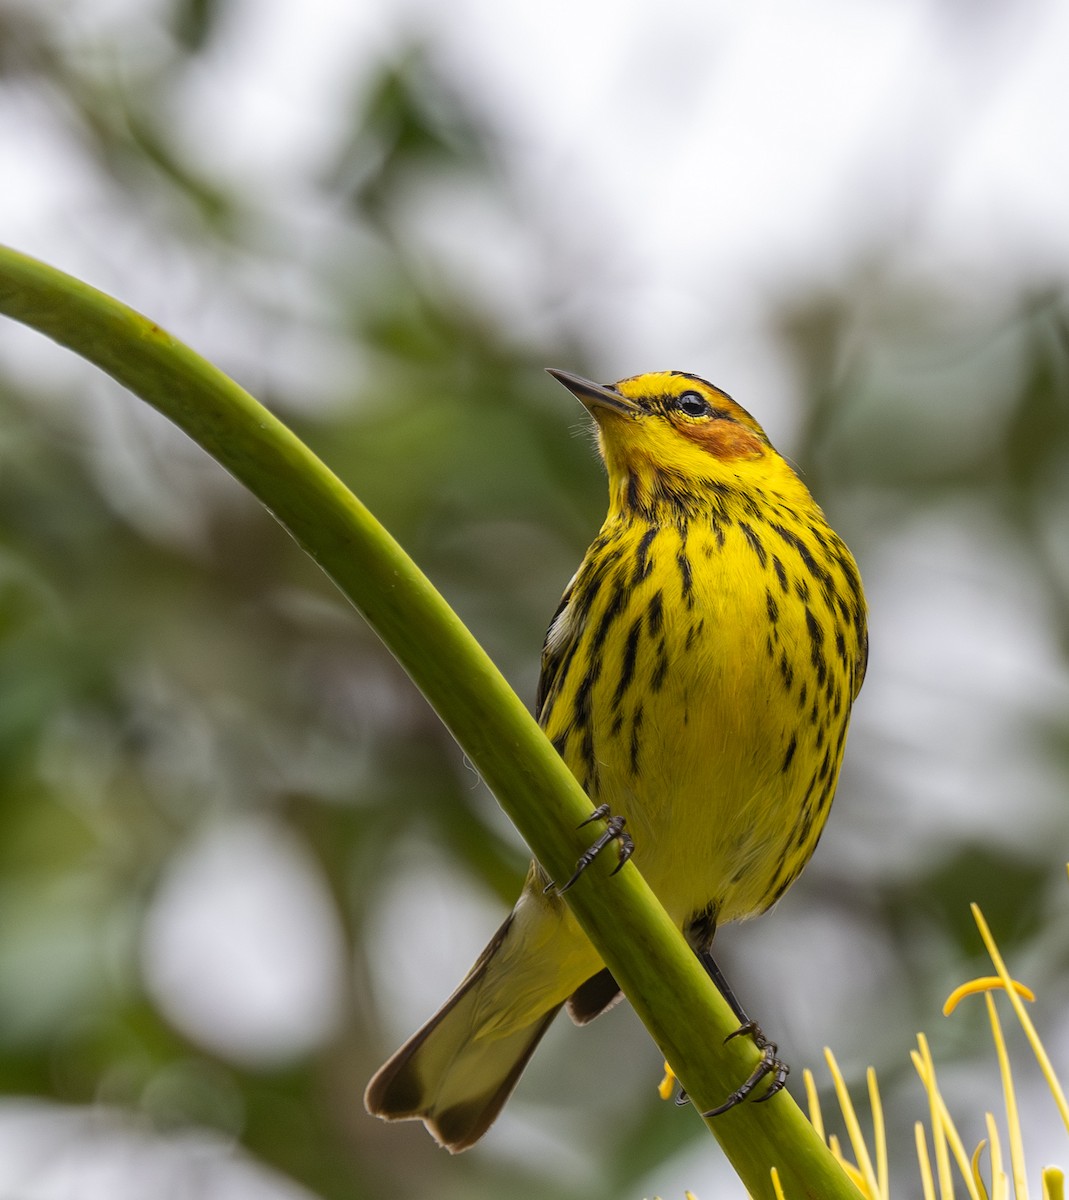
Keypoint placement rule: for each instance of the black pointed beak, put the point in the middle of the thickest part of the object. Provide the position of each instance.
(593, 395)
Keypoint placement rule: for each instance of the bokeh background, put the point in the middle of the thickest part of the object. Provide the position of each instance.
(239, 859)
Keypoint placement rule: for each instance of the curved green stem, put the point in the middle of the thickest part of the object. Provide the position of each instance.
(682, 1010)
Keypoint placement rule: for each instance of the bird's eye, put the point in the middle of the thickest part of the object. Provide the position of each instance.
(693, 404)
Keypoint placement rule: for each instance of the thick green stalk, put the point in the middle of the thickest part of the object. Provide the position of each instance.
(682, 1010)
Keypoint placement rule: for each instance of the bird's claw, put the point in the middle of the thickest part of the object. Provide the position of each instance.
(614, 832)
(770, 1065)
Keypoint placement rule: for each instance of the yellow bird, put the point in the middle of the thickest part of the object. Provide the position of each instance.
(697, 679)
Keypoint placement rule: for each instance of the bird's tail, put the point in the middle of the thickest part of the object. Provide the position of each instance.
(460, 1068)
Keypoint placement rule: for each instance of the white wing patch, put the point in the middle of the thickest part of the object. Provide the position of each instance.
(560, 632)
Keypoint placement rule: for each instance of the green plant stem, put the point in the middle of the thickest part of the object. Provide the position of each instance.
(646, 953)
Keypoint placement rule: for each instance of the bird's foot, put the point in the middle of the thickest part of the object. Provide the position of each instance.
(614, 832)
(770, 1065)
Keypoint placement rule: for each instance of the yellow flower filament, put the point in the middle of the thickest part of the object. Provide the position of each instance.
(1013, 1116)
(924, 1161)
(853, 1128)
(1022, 1015)
(879, 1138)
(816, 1117)
(944, 1132)
(1000, 1184)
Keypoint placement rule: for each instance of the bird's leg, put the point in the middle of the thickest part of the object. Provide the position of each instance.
(614, 832)
(770, 1064)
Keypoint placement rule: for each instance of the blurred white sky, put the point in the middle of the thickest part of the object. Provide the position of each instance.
(694, 156)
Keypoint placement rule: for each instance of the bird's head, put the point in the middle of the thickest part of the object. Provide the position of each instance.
(673, 437)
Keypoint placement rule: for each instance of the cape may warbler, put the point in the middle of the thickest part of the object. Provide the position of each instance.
(697, 679)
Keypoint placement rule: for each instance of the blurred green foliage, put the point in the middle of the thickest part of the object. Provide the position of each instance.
(169, 662)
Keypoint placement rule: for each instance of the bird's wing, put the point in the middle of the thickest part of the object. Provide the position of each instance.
(862, 662)
(560, 635)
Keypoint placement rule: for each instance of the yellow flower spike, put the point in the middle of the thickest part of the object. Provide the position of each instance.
(852, 1173)
(879, 1137)
(946, 1155)
(922, 1060)
(985, 983)
(858, 1180)
(1022, 1016)
(944, 1132)
(977, 1178)
(853, 1127)
(668, 1083)
(1000, 1184)
(924, 1162)
(777, 1187)
(816, 1117)
(957, 1148)
(1013, 1117)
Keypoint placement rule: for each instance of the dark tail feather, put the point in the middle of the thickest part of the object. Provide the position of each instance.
(450, 1077)
(594, 997)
